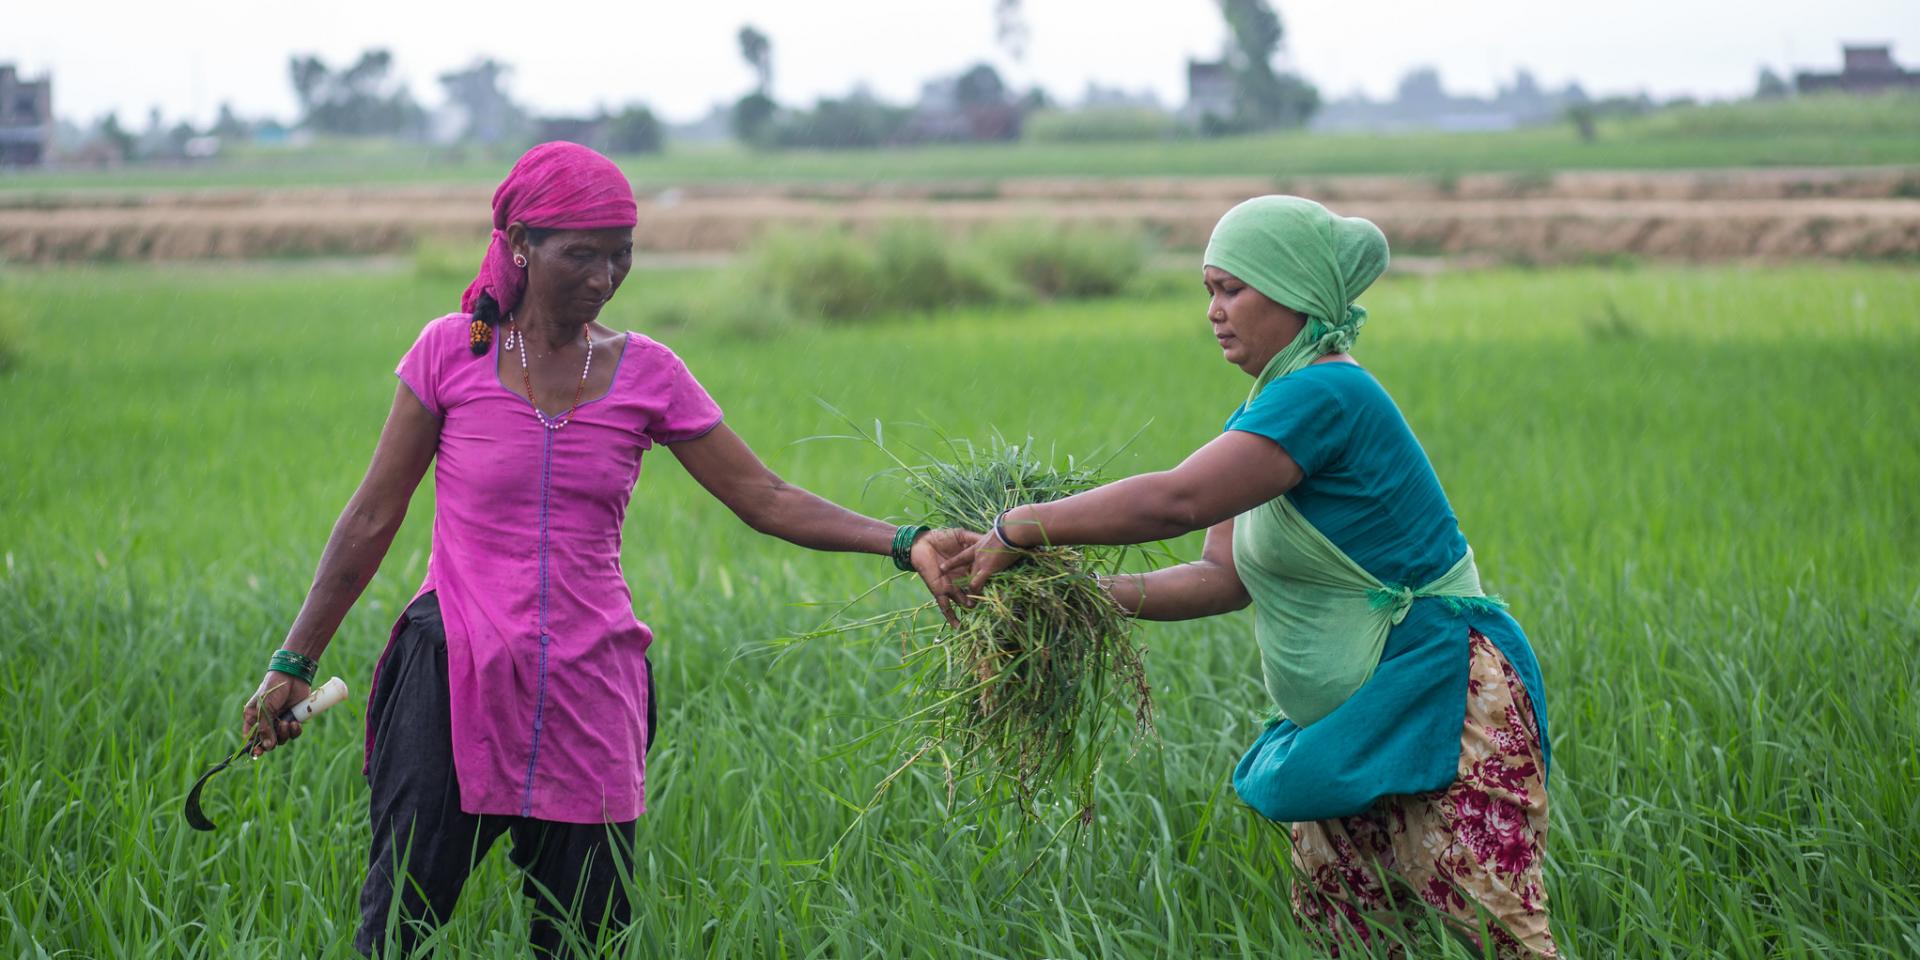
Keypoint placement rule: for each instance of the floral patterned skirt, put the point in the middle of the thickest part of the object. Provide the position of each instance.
(1473, 851)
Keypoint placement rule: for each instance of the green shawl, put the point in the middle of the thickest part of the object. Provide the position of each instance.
(1321, 620)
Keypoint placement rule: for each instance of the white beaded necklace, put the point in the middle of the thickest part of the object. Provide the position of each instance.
(514, 336)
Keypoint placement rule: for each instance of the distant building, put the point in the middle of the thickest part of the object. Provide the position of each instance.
(1098, 97)
(941, 115)
(26, 119)
(1209, 91)
(1863, 69)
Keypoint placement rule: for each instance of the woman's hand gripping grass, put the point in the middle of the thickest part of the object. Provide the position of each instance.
(934, 556)
(985, 557)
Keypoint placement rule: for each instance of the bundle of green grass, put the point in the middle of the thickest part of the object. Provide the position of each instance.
(1023, 698)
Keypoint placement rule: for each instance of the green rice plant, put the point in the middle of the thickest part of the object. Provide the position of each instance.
(440, 260)
(1707, 529)
(913, 267)
(10, 336)
(923, 269)
(728, 309)
(829, 274)
(1067, 262)
(1020, 697)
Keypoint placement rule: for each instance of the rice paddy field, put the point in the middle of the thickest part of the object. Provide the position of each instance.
(1696, 486)
(1805, 131)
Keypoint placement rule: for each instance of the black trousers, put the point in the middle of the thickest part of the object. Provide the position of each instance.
(425, 846)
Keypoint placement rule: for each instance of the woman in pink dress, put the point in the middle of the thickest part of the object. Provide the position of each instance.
(515, 694)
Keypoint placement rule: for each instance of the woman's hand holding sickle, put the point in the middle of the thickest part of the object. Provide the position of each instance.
(277, 691)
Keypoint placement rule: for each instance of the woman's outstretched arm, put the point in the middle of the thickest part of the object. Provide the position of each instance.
(723, 464)
(1227, 477)
(353, 553)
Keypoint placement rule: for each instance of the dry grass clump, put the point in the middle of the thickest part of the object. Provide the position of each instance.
(1024, 697)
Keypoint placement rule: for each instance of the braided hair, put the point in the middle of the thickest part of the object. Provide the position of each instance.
(486, 310)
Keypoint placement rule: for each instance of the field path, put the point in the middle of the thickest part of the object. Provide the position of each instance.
(1772, 214)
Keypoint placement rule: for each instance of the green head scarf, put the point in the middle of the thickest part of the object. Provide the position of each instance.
(1303, 257)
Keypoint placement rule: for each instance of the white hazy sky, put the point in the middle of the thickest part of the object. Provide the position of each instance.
(187, 56)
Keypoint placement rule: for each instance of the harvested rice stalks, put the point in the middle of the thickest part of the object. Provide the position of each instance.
(1023, 698)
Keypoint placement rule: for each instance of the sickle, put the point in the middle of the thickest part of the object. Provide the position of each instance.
(324, 696)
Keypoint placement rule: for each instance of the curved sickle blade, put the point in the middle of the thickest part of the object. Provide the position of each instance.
(195, 818)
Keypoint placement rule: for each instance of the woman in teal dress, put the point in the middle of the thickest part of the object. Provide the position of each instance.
(1408, 750)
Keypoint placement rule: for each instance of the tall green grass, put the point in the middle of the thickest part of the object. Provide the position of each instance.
(1696, 487)
(789, 278)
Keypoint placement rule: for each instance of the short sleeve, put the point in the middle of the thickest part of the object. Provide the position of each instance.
(1303, 414)
(421, 367)
(689, 411)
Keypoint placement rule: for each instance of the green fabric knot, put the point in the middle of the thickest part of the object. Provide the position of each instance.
(1322, 337)
(1395, 599)
(1399, 600)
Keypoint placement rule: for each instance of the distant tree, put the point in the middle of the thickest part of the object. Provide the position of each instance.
(1010, 28)
(635, 130)
(1421, 87)
(753, 114)
(1257, 33)
(228, 125)
(1263, 97)
(152, 141)
(309, 77)
(480, 92)
(757, 51)
(1770, 86)
(980, 86)
(178, 136)
(116, 137)
(753, 117)
(855, 121)
(1582, 116)
(362, 100)
(1524, 85)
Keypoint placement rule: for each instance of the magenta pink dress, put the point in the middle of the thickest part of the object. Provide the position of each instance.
(546, 674)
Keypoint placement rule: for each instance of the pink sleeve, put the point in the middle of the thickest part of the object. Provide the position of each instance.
(419, 369)
(689, 412)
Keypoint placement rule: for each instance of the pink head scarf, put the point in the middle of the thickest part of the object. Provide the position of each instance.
(556, 186)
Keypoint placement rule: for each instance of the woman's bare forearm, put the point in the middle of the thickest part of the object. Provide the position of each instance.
(1188, 591)
(806, 519)
(1140, 509)
(1230, 475)
(723, 464)
(1207, 587)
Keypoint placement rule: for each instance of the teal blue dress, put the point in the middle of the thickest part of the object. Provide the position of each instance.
(1369, 488)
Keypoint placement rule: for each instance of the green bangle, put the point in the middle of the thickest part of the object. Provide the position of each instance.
(903, 540)
(297, 665)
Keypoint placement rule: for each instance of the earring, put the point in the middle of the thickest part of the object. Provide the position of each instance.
(510, 340)
(520, 261)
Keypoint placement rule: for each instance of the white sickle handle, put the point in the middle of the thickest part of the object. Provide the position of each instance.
(322, 697)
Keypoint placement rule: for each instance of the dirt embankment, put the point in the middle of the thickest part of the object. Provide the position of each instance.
(1679, 215)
